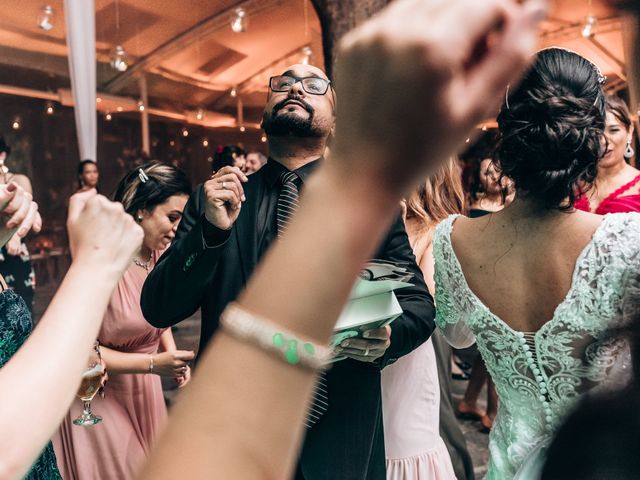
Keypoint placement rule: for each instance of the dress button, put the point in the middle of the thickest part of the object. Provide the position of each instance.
(543, 390)
(529, 354)
(539, 378)
(542, 398)
(536, 371)
(543, 385)
(549, 418)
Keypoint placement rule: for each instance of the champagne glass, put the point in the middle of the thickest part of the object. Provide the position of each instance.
(91, 382)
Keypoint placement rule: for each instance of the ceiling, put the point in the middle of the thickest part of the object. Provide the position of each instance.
(190, 58)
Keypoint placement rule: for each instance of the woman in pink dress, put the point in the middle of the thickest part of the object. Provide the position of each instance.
(136, 354)
(617, 185)
(410, 386)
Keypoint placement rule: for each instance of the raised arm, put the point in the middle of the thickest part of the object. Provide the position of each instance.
(43, 376)
(241, 417)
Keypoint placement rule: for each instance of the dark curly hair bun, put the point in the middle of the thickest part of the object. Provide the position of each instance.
(552, 129)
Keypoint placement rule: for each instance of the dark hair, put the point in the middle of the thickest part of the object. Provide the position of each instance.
(81, 166)
(149, 186)
(619, 108)
(552, 129)
(224, 156)
(4, 147)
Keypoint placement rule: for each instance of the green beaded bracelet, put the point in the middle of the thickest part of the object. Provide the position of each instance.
(273, 338)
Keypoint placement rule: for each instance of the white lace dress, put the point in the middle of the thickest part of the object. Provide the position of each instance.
(540, 375)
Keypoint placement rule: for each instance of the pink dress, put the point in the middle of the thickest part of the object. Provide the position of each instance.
(133, 410)
(411, 415)
(617, 202)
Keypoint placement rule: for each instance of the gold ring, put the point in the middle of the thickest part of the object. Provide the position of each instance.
(223, 187)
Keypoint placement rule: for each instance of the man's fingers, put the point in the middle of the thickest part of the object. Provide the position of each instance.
(7, 192)
(234, 170)
(29, 219)
(21, 204)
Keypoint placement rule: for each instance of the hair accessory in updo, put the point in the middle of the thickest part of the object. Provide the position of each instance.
(143, 176)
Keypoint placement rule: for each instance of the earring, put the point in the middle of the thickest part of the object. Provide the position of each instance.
(628, 153)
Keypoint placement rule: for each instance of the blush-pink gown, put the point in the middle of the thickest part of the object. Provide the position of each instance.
(133, 409)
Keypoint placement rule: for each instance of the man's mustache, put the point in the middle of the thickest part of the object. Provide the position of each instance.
(280, 105)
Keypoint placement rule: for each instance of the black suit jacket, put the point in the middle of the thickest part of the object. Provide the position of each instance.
(347, 442)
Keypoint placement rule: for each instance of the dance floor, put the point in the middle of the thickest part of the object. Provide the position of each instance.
(186, 336)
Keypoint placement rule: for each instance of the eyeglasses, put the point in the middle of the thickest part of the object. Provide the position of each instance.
(312, 85)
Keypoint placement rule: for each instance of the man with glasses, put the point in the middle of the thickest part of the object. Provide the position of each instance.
(227, 227)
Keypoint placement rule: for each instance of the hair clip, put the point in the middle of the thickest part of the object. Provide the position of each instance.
(142, 176)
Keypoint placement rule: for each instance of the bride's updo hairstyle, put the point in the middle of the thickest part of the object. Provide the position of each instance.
(552, 129)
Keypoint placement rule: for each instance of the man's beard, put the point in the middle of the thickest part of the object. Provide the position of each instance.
(291, 125)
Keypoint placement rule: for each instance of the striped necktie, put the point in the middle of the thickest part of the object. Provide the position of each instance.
(287, 205)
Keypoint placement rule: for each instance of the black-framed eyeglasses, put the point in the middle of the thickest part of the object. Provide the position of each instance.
(312, 85)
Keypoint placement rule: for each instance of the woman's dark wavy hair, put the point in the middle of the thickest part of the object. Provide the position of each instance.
(162, 182)
(224, 157)
(552, 129)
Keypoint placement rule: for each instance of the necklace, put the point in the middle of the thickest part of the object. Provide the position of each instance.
(146, 265)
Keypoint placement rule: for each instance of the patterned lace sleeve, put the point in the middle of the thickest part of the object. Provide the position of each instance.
(450, 311)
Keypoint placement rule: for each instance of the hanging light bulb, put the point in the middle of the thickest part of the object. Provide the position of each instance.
(49, 108)
(200, 114)
(239, 21)
(185, 132)
(485, 128)
(98, 99)
(140, 105)
(589, 26)
(234, 92)
(16, 123)
(306, 52)
(263, 139)
(242, 128)
(172, 143)
(119, 59)
(107, 116)
(45, 18)
(205, 142)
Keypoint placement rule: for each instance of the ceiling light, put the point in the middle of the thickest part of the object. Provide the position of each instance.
(233, 92)
(140, 105)
(205, 143)
(239, 21)
(589, 26)
(16, 123)
(242, 129)
(200, 114)
(108, 116)
(185, 132)
(45, 18)
(49, 108)
(119, 59)
(263, 139)
(306, 52)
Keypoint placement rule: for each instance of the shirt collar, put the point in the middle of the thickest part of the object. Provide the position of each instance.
(273, 169)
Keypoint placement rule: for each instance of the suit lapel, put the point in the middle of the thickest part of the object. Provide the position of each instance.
(246, 231)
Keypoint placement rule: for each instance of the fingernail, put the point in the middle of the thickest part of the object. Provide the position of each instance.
(11, 225)
(22, 232)
(244, 198)
(345, 343)
(12, 187)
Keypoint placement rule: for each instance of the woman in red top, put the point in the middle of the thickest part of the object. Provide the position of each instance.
(617, 186)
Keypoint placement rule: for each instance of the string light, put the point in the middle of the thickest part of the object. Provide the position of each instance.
(205, 143)
(45, 18)
(119, 109)
(263, 139)
(140, 105)
(200, 114)
(107, 116)
(185, 132)
(239, 21)
(589, 26)
(306, 52)
(484, 128)
(242, 129)
(172, 143)
(233, 92)
(49, 109)
(119, 59)
(98, 99)
(16, 123)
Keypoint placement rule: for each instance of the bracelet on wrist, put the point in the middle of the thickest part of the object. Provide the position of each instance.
(288, 346)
